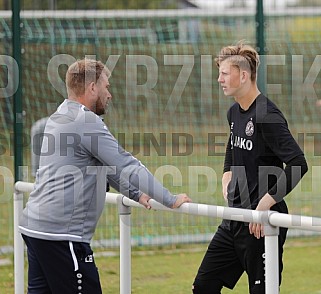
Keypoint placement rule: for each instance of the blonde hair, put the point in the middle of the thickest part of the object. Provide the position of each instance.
(242, 56)
(83, 72)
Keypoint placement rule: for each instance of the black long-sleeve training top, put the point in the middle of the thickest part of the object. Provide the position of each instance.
(262, 155)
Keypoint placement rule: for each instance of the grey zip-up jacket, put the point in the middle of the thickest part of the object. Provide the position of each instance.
(77, 155)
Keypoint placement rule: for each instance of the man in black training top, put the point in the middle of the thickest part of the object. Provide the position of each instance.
(259, 146)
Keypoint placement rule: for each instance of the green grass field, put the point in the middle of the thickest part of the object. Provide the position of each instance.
(172, 269)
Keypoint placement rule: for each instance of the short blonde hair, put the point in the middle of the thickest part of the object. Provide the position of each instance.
(83, 72)
(242, 56)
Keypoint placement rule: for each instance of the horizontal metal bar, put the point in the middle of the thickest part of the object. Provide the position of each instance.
(245, 215)
(161, 13)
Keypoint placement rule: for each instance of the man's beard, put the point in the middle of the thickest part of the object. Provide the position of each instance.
(100, 109)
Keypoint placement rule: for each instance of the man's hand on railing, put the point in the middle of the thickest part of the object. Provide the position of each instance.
(143, 200)
(181, 198)
(265, 204)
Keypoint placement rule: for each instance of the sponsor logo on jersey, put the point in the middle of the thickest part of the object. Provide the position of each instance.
(241, 143)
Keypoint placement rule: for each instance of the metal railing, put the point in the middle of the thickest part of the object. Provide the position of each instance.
(271, 220)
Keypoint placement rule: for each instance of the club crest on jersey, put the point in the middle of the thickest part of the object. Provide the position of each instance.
(249, 129)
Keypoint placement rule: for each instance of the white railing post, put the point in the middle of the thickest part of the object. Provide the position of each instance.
(125, 246)
(18, 243)
(271, 258)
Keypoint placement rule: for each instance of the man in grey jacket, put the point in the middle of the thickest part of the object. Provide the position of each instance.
(78, 154)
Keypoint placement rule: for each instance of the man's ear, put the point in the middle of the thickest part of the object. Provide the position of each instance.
(92, 87)
(244, 76)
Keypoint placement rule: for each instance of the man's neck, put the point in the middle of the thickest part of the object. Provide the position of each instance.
(80, 100)
(245, 101)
